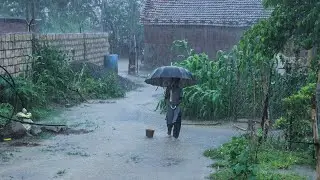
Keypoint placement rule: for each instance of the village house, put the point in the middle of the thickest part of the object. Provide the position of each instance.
(207, 25)
(17, 25)
(13, 25)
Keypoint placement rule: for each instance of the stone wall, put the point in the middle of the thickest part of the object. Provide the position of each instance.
(16, 49)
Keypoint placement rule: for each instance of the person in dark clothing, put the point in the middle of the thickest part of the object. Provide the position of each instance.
(173, 97)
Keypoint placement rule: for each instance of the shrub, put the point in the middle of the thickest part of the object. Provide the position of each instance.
(297, 124)
(52, 80)
(243, 159)
(212, 97)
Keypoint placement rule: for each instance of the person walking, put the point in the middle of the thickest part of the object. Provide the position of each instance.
(173, 97)
(174, 79)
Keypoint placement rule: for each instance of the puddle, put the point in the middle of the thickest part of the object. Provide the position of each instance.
(107, 102)
(135, 159)
(24, 144)
(87, 123)
(5, 157)
(69, 131)
(78, 153)
(75, 131)
(54, 149)
(60, 173)
(171, 162)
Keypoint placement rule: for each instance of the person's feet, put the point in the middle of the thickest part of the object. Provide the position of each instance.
(176, 139)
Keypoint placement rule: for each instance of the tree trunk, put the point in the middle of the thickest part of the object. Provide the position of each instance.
(315, 128)
(33, 15)
(316, 120)
(132, 56)
(265, 115)
(27, 11)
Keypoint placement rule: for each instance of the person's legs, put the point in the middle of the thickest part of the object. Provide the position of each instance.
(176, 129)
(177, 126)
(169, 129)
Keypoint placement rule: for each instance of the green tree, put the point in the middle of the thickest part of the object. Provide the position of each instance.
(121, 19)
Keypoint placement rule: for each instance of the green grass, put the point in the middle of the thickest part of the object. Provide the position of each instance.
(269, 160)
(226, 174)
(278, 159)
(267, 175)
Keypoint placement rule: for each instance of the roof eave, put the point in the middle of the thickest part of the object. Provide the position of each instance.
(191, 24)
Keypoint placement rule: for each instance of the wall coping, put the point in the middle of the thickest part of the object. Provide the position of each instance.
(12, 20)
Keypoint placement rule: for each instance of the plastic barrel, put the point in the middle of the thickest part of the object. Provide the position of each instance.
(111, 62)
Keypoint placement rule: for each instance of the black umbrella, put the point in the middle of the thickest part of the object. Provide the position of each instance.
(164, 76)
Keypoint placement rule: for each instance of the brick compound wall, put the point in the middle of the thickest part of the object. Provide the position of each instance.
(16, 49)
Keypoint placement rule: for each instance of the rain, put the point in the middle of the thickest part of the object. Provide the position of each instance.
(159, 89)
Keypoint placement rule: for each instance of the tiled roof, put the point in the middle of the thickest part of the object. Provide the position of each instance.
(234, 13)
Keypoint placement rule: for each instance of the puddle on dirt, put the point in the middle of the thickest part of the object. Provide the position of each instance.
(171, 162)
(157, 96)
(24, 144)
(121, 155)
(78, 153)
(107, 102)
(146, 104)
(76, 131)
(101, 102)
(70, 131)
(135, 159)
(54, 149)
(5, 156)
(60, 173)
(87, 124)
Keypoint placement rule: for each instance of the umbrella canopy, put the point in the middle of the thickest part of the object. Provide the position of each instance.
(164, 76)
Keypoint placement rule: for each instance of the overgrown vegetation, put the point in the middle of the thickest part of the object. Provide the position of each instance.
(243, 159)
(264, 77)
(296, 123)
(52, 80)
(212, 97)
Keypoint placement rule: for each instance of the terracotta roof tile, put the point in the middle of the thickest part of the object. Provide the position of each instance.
(204, 12)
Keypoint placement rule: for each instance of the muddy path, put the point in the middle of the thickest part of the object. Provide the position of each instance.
(114, 145)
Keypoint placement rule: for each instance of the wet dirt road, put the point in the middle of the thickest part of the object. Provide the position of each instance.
(117, 149)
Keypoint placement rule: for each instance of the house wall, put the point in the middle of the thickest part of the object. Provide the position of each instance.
(12, 25)
(208, 39)
(16, 48)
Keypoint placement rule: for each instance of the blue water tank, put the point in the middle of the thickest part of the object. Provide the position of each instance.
(111, 62)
